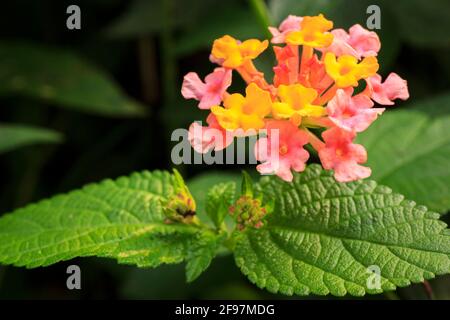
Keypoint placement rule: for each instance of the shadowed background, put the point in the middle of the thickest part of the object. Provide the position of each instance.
(78, 106)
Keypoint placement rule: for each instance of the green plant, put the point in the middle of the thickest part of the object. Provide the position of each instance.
(317, 236)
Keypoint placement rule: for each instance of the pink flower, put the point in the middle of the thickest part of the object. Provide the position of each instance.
(282, 149)
(392, 88)
(359, 42)
(204, 139)
(343, 156)
(365, 42)
(340, 44)
(291, 23)
(210, 92)
(352, 113)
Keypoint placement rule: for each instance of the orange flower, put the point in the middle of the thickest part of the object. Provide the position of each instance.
(233, 53)
(346, 71)
(244, 112)
(296, 100)
(312, 33)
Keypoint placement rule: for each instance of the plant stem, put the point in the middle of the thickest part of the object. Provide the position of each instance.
(262, 14)
(429, 290)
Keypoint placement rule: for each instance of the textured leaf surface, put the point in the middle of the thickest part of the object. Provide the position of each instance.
(323, 236)
(121, 219)
(62, 78)
(201, 254)
(218, 200)
(200, 185)
(13, 136)
(409, 151)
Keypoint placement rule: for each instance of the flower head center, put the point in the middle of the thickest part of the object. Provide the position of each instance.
(283, 149)
(339, 152)
(345, 69)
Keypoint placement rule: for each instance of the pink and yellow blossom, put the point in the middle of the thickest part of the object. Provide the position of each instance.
(285, 153)
(392, 88)
(291, 23)
(343, 156)
(352, 113)
(211, 137)
(210, 92)
(311, 100)
(358, 42)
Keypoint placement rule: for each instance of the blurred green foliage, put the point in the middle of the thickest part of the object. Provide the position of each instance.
(112, 90)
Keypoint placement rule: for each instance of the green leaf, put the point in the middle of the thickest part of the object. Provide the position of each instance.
(202, 183)
(201, 255)
(247, 184)
(409, 151)
(61, 78)
(219, 198)
(122, 219)
(14, 136)
(324, 237)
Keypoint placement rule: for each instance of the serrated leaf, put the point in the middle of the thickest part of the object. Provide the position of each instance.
(324, 237)
(409, 151)
(61, 78)
(246, 185)
(14, 136)
(122, 219)
(202, 183)
(201, 255)
(219, 198)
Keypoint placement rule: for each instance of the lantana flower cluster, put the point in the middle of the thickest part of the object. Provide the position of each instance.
(323, 93)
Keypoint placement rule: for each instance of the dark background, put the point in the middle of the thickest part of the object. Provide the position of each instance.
(144, 47)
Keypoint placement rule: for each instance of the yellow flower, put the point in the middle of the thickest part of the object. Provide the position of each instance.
(234, 53)
(346, 71)
(312, 33)
(296, 100)
(244, 112)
